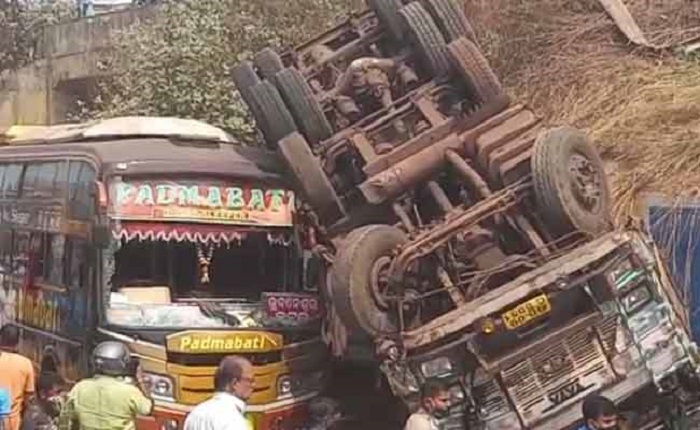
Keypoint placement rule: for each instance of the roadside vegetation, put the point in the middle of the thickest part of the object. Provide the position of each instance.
(21, 24)
(179, 64)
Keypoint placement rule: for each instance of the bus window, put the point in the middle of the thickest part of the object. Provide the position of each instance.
(80, 177)
(10, 184)
(47, 258)
(45, 185)
(20, 253)
(40, 179)
(5, 256)
(3, 168)
(31, 172)
(76, 264)
(56, 257)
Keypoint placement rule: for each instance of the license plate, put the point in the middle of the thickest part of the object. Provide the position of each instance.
(526, 312)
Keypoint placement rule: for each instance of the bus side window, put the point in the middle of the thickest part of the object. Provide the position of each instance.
(80, 177)
(48, 251)
(11, 180)
(20, 253)
(45, 185)
(56, 257)
(76, 264)
(31, 173)
(5, 256)
(3, 169)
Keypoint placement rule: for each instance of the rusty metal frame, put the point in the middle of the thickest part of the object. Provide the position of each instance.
(514, 291)
(430, 240)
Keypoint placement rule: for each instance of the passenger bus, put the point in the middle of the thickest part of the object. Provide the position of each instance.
(169, 236)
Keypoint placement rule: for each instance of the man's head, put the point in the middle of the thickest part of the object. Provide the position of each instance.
(48, 388)
(9, 338)
(600, 413)
(235, 376)
(113, 358)
(48, 384)
(435, 398)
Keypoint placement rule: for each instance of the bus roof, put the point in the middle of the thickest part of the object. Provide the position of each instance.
(119, 127)
(144, 145)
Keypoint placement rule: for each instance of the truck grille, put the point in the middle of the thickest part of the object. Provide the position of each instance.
(489, 398)
(607, 330)
(558, 375)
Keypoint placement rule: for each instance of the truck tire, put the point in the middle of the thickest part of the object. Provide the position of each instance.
(426, 39)
(268, 63)
(387, 12)
(244, 78)
(305, 109)
(354, 276)
(272, 117)
(476, 71)
(571, 188)
(451, 19)
(312, 180)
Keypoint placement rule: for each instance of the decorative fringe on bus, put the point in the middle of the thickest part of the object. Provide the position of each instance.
(228, 237)
(199, 234)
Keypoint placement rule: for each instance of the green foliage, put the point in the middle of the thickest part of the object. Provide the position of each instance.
(21, 23)
(178, 65)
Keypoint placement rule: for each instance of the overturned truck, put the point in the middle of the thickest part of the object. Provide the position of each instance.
(467, 241)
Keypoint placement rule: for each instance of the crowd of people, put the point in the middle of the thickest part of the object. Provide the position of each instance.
(114, 397)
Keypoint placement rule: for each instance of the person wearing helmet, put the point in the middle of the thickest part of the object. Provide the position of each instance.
(107, 401)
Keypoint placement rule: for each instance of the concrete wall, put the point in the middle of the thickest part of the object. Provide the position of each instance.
(24, 97)
(69, 55)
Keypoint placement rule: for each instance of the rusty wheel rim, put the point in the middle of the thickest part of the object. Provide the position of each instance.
(586, 182)
(379, 281)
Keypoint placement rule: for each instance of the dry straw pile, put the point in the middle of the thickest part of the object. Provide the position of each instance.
(567, 59)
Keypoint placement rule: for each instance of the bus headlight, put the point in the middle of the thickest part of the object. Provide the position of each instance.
(159, 386)
(436, 367)
(288, 385)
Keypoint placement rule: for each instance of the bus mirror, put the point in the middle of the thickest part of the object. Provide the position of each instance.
(101, 235)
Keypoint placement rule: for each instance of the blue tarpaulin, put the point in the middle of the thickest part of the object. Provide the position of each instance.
(676, 230)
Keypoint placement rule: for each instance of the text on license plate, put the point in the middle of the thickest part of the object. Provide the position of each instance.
(526, 312)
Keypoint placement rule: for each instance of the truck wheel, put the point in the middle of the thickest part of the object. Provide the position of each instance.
(571, 188)
(426, 39)
(359, 279)
(387, 12)
(475, 70)
(451, 19)
(268, 63)
(272, 116)
(304, 107)
(313, 182)
(244, 78)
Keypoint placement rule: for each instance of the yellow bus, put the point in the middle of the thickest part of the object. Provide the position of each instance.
(169, 236)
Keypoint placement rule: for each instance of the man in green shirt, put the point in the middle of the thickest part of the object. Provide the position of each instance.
(108, 401)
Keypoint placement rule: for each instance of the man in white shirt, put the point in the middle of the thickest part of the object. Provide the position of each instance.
(435, 403)
(233, 384)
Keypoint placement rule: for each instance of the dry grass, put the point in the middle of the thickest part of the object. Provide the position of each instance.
(567, 60)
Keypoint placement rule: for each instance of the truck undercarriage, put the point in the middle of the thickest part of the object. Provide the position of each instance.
(451, 219)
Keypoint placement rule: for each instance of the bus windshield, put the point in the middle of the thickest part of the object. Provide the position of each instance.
(158, 283)
(202, 254)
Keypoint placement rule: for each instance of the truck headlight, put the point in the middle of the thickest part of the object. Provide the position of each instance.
(288, 385)
(159, 386)
(636, 298)
(456, 395)
(436, 367)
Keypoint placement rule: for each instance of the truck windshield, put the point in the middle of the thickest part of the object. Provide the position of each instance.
(185, 284)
